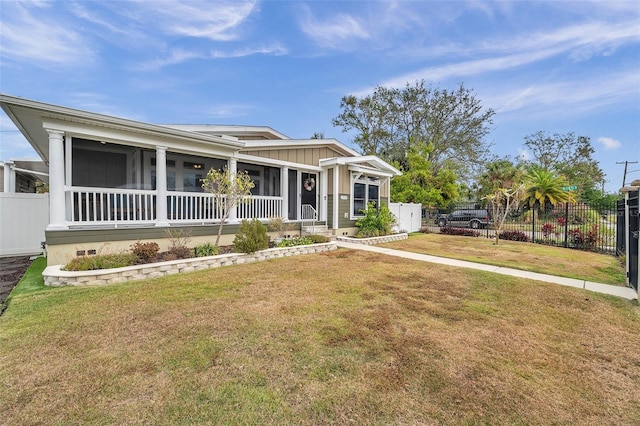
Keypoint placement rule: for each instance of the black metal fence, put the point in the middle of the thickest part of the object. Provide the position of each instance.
(591, 227)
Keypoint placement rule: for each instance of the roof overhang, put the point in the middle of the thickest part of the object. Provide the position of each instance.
(31, 118)
(366, 164)
(231, 131)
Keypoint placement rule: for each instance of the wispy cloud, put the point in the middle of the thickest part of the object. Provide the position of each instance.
(577, 95)
(225, 111)
(217, 21)
(334, 32)
(609, 143)
(32, 32)
(173, 57)
(276, 50)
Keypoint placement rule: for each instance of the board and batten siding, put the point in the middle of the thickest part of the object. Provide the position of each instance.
(310, 156)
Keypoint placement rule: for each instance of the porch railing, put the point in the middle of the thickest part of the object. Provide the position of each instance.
(89, 206)
(260, 207)
(101, 206)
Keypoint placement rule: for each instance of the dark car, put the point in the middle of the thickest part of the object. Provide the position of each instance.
(468, 218)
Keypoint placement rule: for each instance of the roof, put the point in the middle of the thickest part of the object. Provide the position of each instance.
(30, 116)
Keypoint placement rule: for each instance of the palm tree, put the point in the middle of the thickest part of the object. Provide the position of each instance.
(544, 189)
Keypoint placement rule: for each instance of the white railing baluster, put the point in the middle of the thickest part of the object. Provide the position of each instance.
(97, 206)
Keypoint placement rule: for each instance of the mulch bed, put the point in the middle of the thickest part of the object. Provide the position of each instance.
(11, 271)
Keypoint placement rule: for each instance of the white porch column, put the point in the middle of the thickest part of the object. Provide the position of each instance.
(336, 196)
(161, 186)
(232, 165)
(324, 182)
(9, 177)
(284, 192)
(57, 211)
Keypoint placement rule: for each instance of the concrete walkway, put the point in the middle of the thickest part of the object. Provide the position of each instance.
(625, 292)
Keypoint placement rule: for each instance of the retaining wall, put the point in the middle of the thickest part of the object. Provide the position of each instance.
(54, 276)
(374, 240)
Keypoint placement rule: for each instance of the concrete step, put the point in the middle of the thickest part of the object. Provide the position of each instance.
(317, 230)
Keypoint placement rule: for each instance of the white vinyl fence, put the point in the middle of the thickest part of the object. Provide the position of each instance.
(23, 219)
(409, 216)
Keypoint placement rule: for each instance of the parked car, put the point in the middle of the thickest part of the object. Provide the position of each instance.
(467, 218)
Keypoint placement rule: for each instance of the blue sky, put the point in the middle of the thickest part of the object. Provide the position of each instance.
(562, 66)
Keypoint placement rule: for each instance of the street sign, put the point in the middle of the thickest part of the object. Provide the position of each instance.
(570, 188)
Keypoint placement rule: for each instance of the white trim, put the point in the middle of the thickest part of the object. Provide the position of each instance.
(379, 164)
(364, 180)
(336, 196)
(228, 131)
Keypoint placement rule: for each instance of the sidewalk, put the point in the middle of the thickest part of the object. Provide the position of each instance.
(624, 292)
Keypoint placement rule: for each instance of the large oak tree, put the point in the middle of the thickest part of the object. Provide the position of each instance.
(389, 121)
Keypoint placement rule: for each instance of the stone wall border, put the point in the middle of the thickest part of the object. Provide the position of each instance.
(54, 276)
(374, 240)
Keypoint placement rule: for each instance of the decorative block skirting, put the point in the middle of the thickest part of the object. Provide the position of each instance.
(54, 276)
(374, 240)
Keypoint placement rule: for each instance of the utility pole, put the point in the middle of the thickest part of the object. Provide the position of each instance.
(624, 176)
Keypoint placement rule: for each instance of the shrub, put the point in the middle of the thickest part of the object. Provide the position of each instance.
(145, 252)
(279, 226)
(178, 240)
(207, 249)
(514, 236)
(465, 232)
(548, 229)
(295, 241)
(251, 237)
(317, 239)
(101, 261)
(587, 238)
(180, 252)
(425, 230)
(376, 222)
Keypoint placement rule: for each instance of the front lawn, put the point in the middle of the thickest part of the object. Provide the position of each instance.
(532, 257)
(339, 337)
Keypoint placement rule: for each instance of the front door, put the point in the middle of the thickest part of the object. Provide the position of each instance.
(309, 189)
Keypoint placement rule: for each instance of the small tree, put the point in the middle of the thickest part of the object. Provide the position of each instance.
(504, 201)
(228, 190)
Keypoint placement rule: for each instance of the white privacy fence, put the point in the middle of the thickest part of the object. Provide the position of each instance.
(409, 216)
(23, 219)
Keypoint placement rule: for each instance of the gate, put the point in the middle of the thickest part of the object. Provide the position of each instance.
(633, 238)
(621, 226)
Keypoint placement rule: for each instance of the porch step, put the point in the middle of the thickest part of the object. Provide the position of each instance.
(317, 230)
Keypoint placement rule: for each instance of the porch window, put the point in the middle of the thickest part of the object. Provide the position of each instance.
(365, 190)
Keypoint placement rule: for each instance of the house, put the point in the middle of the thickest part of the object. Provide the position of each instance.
(114, 181)
(23, 176)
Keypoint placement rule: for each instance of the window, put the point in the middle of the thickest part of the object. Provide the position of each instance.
(365, 190)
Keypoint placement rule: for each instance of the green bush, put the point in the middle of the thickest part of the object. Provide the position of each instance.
(101, 261)
(317, 239)
(376, 222)
(145, 252)
(251, 237)
(207, 249)
(294, 241)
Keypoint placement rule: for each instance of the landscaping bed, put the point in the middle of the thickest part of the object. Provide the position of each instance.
(55, 276)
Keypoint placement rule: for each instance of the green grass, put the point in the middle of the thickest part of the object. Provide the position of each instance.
(32, 279)
(338, 337)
